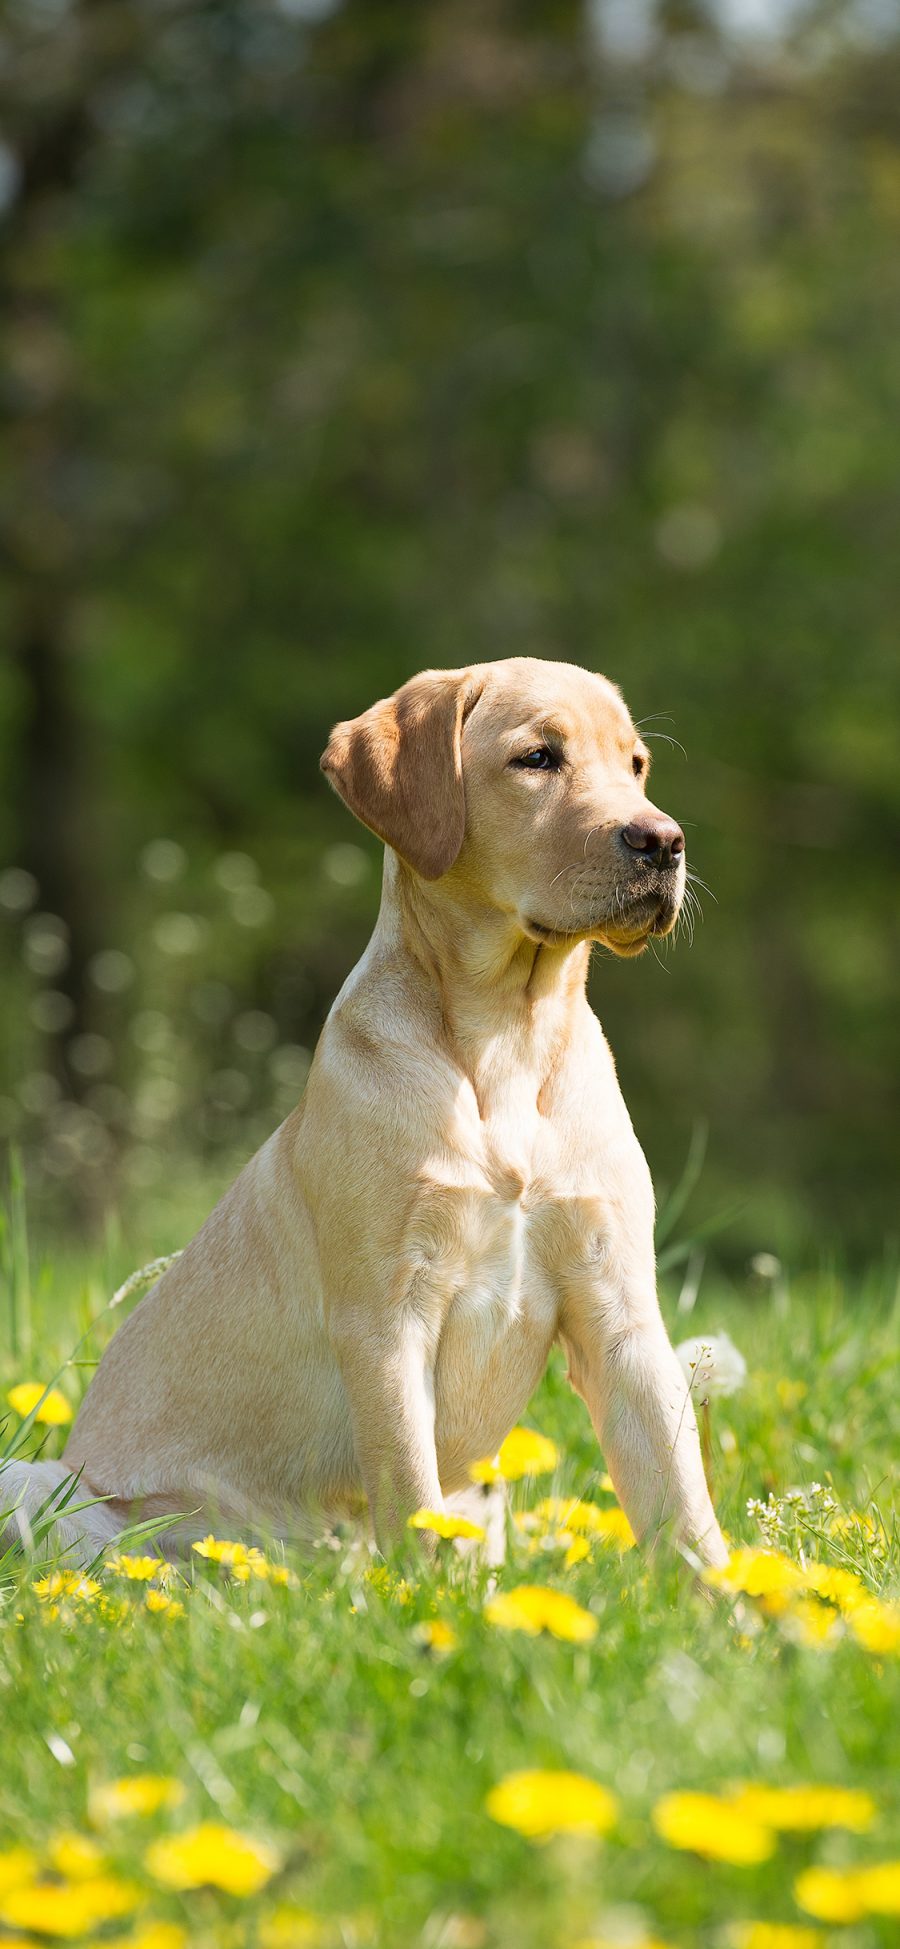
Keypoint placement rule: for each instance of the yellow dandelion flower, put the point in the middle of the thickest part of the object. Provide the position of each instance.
(137, 1793)
(830, 1894)
(17, 1866)
(615, 1530)
(114, 1610)
(810, 1623)
(540, 1804)
(801, 1809)
(242, 1572)
(290, 1928)
(218, 1550)
(563, 1512)
(444, 1525)
(578, 1548)
(856, 1523)
(69, 1908)
(213, 1856)
(534, 1608)
(436, 1635)
(876, 1626)
(539, 1540)
(244, 1560)
(703, 1824)
(879, 1888)
(140, 1569)
(772, 1935)
(778, 1604)
(54, 1410)
(588, 1519)
(248, 1562)
(387, 1584)
(757, 1573)
(847, 1894)
(74, 1856)
(524, 1452)
(66, 1583)
(211, 1548)
(162, 1605)
(835, 1586)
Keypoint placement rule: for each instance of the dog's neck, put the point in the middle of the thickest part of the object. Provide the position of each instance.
(506, 1004)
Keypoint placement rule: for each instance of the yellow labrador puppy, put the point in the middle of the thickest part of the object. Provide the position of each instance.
(370, 1306)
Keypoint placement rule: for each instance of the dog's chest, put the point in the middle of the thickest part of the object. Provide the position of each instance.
(482, 1243)
(499, 1279)
(484, 1222)
(494, 1306)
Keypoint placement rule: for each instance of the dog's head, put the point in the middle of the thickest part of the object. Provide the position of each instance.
(525, 781)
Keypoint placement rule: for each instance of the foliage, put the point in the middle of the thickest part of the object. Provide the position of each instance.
(345, 339)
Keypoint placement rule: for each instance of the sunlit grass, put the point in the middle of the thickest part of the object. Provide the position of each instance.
(261, 1748)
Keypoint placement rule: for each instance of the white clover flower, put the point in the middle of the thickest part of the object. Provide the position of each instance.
(712, 1365)
(769, 1515)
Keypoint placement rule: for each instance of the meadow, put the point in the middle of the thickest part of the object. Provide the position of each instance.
(340, 1750)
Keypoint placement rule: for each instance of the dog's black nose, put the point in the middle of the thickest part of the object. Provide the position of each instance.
(658, 838)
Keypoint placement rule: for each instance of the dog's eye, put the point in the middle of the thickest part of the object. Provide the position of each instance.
(540, 759)
(638, 765)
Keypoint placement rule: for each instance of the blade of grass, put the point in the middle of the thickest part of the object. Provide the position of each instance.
(19, 1271)
(681, 1192)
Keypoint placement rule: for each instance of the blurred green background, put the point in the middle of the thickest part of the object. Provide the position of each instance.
(344, 339)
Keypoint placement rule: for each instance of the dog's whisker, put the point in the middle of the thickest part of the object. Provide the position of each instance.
(664, 735)
(694, 880)
(571, 866)
(691, 909)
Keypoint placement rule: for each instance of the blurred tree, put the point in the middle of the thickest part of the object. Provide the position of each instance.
(344, 339)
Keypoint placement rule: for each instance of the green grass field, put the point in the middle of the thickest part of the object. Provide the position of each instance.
(354, 1745)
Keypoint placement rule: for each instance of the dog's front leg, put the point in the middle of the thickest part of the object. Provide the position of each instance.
(622, 1363)
(389, 1384)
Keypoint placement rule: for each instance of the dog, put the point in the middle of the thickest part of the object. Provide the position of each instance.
(370, 1306)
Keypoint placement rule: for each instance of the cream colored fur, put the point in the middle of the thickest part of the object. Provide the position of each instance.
(370, 1306)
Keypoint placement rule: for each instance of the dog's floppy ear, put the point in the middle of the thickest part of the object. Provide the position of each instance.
(399, 767)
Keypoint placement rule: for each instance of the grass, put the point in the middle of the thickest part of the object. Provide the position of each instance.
(313, 1718)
